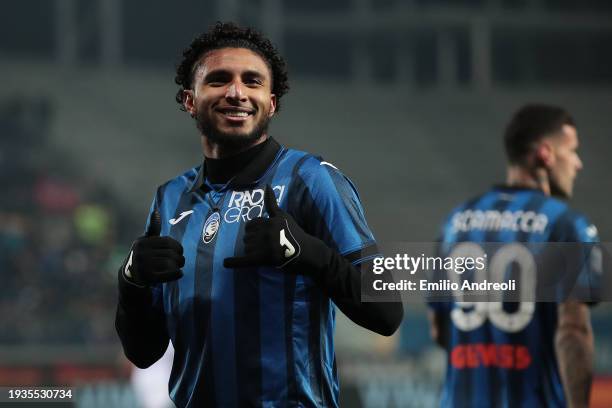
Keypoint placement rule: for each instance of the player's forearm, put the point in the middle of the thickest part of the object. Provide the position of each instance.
(140, 327)
(383, 318)
(574, 347)
(143, 337)
(342, 282)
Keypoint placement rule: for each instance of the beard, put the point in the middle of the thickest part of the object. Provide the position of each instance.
(557, 191)
(230, 140)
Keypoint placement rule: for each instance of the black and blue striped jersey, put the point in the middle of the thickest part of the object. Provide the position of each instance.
(254, 336)
(502, 354)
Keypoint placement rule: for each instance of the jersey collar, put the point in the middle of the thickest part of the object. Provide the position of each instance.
(250, 174)
(508, 188)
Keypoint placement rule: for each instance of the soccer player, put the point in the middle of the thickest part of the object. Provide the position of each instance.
(245, 256)
(527, 354)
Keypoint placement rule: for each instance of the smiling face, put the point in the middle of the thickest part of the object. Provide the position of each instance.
(231, 98)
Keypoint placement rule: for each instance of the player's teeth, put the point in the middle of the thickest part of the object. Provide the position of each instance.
(240, 114)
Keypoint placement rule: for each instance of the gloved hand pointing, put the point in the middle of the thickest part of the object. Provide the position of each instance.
(274, 241)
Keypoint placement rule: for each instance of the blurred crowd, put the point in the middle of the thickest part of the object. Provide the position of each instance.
(59, 230)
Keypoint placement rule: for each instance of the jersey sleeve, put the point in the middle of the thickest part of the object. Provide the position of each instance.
(582, 254)
(329, 208)
(447, 237)
(574, 227)
(433, 300)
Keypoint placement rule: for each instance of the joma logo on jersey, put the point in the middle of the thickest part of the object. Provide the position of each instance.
(248, 205)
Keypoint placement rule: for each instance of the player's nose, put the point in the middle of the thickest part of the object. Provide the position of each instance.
(578, 163)
(235, 91)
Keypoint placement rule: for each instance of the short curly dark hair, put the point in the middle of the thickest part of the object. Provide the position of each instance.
(223, 35)
(529, 125)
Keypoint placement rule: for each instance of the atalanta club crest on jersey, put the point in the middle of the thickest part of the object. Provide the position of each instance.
(211, 226)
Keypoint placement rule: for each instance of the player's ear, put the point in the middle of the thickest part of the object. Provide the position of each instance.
(188, 102)
(544, 154)
(272, 105)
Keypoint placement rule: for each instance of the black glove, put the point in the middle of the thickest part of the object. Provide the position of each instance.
(275, 241)
(153, 259)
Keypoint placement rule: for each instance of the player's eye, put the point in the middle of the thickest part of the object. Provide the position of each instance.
(217, 79)
(253, 82)
(215, 83)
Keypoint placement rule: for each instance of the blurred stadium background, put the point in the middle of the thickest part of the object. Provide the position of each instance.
(408, 97)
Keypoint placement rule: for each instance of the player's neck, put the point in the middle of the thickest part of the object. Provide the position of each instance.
(214, 150)
(518, 176)
(224, 169)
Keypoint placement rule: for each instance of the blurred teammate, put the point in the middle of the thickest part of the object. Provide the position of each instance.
(526, 354)
(243, 255)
